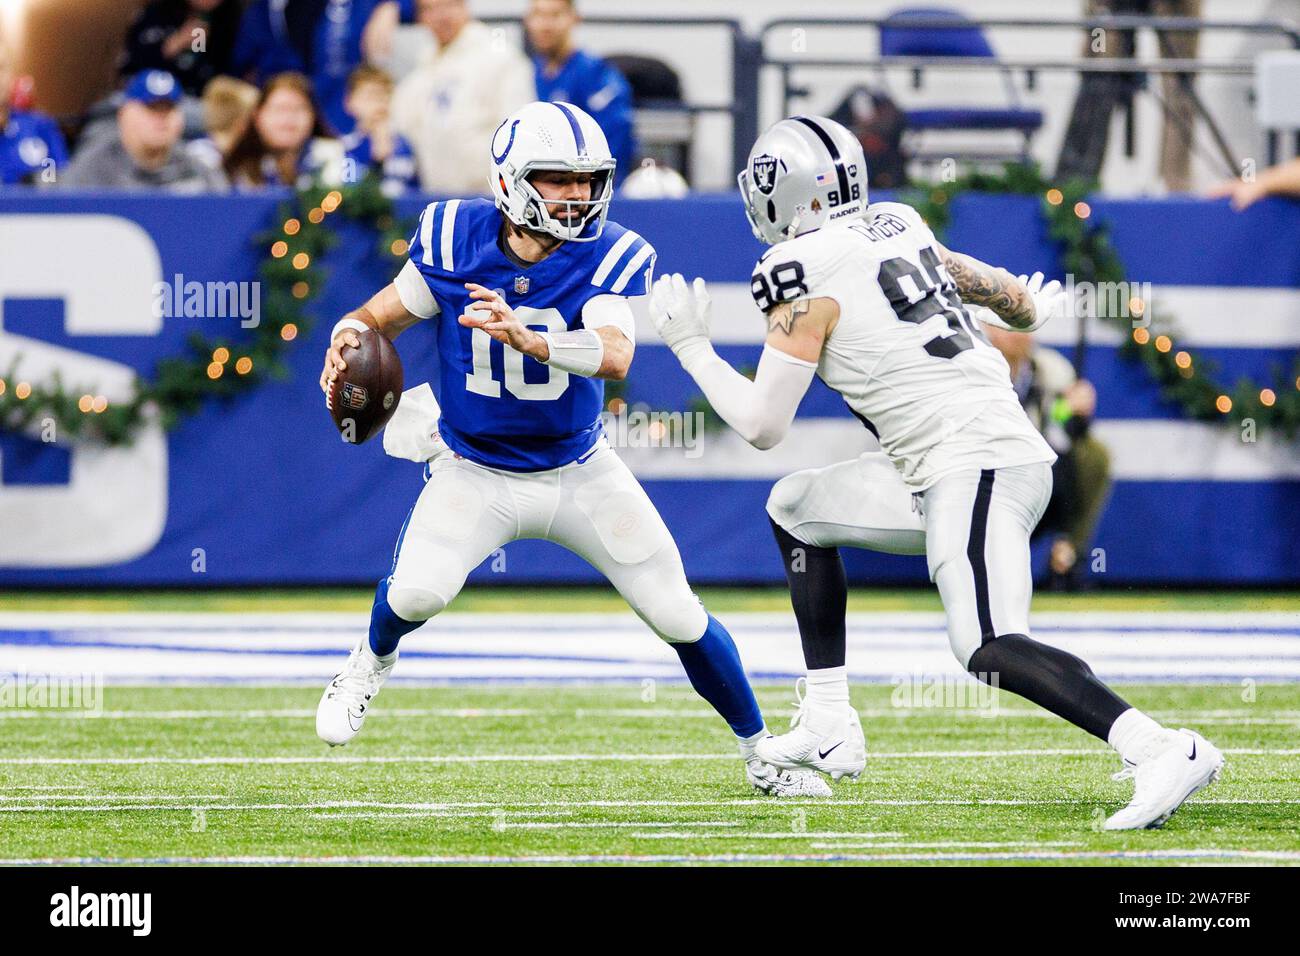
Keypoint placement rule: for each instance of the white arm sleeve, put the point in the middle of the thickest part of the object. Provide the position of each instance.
(761, 410)
(603, 310)
(414, 292)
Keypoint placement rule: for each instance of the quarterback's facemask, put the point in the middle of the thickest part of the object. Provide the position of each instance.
(568, 218)
(558, 138)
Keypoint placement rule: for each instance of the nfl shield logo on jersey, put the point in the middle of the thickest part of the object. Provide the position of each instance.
(521, 285)
(765, 173)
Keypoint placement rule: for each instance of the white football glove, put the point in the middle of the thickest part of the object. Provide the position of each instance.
(1050, 301)
(680, 312)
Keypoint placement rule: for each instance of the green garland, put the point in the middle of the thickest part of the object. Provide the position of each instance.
(215, 367)
(1088, 255)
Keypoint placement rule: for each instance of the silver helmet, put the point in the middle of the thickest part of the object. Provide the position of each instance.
(803, 173)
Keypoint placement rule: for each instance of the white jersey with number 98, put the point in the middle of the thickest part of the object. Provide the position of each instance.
(906, 356)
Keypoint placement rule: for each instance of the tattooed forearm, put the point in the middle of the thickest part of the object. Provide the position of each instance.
(987, 285)
(783, 315)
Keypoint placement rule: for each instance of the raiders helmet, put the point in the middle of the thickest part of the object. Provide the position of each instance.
(804, 172)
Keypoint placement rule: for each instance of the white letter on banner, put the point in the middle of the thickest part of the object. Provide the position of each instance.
(115, 505)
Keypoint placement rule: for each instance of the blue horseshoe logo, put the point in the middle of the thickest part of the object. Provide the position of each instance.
(506, 152)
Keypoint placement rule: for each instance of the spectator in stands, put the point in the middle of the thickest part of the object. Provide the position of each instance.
(1061, 405)
(228, 105)
(1282, 180)
(1083, 150)
(321, 38)
(451, 104)
(191, 39)
(566, 74)
(146, 152)
(31, 146)
(285, 144)
(372, 145)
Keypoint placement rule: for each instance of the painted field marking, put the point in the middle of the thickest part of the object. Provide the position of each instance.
(581, 757)
(1242, 717)
(617, 824)
(1044, 856)
(46, 797)
(945, 845)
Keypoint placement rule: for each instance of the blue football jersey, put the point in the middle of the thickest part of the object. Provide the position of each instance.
(501, 408)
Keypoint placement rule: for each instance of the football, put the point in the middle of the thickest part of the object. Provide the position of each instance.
(364, 396)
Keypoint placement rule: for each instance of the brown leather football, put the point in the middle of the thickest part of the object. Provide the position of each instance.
(364, 396)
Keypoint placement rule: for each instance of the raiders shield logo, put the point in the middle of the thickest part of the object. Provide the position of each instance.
(765, 173)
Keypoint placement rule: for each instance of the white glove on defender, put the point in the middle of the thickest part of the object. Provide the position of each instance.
(1050, 301)
(680, 312)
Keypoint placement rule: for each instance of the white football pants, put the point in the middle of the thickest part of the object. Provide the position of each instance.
(972, 526)
(593, 506)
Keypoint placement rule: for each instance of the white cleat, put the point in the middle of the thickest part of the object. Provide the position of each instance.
(828, 742)
(784, 783)
(1186, 763)
(343, 707)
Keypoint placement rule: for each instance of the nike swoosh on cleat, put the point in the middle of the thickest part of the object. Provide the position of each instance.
(1193, 756)
(822, 755)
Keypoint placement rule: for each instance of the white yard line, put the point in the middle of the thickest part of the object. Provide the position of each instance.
(579, 757)
(1043, 856)
(615, 824)
(1224, 717)
(388, 809)
(944, 845)
(47, 797)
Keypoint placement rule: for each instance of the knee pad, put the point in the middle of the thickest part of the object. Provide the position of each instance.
(414, 603)
(785, 498)
(668, 606)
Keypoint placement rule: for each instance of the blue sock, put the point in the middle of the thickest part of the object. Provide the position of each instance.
(713, 665)
(386, 628)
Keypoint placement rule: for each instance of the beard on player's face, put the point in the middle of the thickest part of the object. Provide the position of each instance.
(565, 194)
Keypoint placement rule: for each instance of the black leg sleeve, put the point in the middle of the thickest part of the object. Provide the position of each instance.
(1050, 677)
(819, 593)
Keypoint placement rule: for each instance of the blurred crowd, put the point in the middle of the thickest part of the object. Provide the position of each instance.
(220, 95)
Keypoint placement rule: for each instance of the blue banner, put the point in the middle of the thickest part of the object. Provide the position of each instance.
(260, 489)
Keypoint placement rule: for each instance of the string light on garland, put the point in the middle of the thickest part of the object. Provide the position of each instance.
(180, 384)
(1088, 255)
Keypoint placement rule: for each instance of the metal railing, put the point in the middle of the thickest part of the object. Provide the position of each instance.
(1182, 67)
(1081, 64)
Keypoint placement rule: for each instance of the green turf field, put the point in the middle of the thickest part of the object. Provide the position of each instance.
(570, 773)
